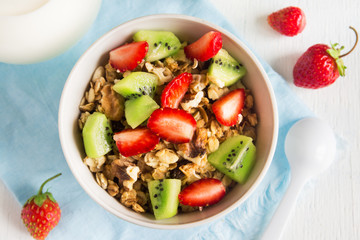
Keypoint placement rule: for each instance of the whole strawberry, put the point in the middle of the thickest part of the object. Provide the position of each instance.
(320, 65)
(41, 213)
(288, 21)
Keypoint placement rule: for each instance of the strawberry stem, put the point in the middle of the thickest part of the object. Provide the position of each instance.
(48, 180)
(356, 41)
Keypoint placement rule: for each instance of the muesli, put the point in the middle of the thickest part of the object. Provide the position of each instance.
(165, 122)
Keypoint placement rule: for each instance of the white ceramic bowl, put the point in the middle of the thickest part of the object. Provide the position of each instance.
(189, 29)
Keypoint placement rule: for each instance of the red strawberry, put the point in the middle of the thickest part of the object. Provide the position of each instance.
(320, 65)
(174, 92)
(132, 142)
(206, 47)
(289, 21)
(203, 192)
(173, 125)
(41, 213)
(228, 107)
(128, 56)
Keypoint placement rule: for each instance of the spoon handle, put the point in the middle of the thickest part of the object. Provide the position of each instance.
(278, 222)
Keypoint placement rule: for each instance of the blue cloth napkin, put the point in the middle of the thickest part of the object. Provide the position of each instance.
(30, 149)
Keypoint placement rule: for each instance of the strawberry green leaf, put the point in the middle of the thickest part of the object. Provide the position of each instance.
(40, 199)
(340, 66)
(50, 196)
(334, 52)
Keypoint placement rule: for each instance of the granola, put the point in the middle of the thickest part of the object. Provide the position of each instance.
(126, 178)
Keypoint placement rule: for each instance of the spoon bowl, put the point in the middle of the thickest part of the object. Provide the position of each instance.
(310, 146)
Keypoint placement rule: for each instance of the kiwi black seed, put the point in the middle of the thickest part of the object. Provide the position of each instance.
(132, 86)
(97, 135)
(161, 43)
(235, 157)
(225, 68)
(164, 198)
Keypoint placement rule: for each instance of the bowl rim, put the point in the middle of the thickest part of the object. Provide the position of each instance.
(271, 150)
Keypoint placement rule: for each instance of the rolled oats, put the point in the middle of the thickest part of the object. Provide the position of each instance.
(249, 101)
(91, 95)
(190, 172)
(141, 198)
(128, 198)
(193, 102)
(101, 180)
(164, 74)
(95, 164)
(132, 172)
(87, 107)
(199, 83)
(195, 64)
(252, 118)
(97, 86)
(146, 177)
(110, 73)
(137, 208)
(203, 114)
(171, 64)
(99, 72)
(213, 144)
(215, 92)
(113, 188)
(167, 156)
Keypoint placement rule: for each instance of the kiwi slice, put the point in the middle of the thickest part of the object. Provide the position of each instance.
(224, 70)
(161, 43)
(164, 197)
(139, 109)
(97, 135)
(137, 84)
(235, 158)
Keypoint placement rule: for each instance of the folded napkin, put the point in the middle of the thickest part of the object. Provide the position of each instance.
(30, 150)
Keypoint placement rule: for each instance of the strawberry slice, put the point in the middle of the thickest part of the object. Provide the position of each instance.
(131, 142)
(203, 192)
(228, 107)
(205, 47)
(173, 125)
(128, 56)
(174, 92)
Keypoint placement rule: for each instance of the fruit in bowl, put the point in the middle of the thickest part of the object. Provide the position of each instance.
(165, 117)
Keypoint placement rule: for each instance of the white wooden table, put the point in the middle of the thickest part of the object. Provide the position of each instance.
(330, 207)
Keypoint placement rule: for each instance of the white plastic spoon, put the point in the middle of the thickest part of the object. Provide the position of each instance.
(310, 147)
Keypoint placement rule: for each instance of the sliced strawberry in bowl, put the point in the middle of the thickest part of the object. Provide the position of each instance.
(128, 56)
(174, 92)
(132, 142)
(228, 107)
(205, 47)
(172, 125)
(203, 192)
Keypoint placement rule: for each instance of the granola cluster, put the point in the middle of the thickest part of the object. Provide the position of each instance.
(126, 178)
